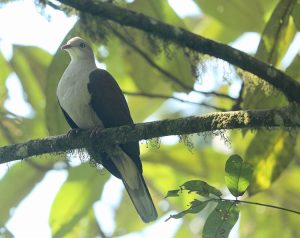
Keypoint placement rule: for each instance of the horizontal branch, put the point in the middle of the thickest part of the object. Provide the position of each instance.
(184, 38)
(251, 119)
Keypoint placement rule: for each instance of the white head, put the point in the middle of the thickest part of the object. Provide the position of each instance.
(78, 49)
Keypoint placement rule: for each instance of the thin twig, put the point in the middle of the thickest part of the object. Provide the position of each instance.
(155, 95)
(259, 204)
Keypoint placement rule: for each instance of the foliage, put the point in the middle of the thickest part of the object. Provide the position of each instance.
(145, 64)
(225, 214)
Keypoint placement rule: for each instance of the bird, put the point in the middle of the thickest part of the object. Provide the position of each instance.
(90, 98)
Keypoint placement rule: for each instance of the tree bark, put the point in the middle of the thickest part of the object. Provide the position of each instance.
(252, 119)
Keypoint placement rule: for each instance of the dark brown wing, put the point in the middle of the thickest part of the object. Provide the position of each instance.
(109, 103)
(71, 123)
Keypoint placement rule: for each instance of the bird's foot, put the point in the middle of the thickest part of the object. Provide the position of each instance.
(95, 131)
(73, 132)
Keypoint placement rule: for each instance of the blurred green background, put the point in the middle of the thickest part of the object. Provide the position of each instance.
(87, 202)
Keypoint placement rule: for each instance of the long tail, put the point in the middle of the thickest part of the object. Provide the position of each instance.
(142, 200)
(134, 184)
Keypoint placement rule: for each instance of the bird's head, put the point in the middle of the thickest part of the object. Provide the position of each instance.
(78, 49)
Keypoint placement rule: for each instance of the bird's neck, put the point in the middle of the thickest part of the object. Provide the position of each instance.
(85, 62)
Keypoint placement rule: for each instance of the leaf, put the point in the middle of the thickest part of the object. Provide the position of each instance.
(87, 227)
(125, 210)
(172, 193)
(238, 175)
(211, 28)
(296, 15)
(5, 71)
(221, 220)
(275, 40)
(196, 207)
(269, 153)
(200, 187)
(18, 181)
(249, 16)
(278, 34)
(55, 121)
(82, 188)
(30, 64)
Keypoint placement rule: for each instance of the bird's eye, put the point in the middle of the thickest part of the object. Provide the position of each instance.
(82, 45)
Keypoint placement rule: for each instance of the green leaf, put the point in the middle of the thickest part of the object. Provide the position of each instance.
(82, 188)
(5, 71)
(87, 227)
(30, 64)
(275, 40)
(200, 187)
(278, 34)
(211, 28)
(125, 210)
(296, 15)
(221, 220)
(172, 193)
(196, 207)
(236, 14)
(18, 181)
(238, 175)
(269, 153)
(55, 121)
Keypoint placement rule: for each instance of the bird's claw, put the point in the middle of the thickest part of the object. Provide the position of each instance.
(95, 131)
(73, 132)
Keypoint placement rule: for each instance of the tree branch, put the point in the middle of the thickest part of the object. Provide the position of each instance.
(184, 38)
(251, 119)
(162, 96)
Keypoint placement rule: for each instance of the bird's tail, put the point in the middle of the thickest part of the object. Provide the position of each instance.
(142, 200)
(134, 183)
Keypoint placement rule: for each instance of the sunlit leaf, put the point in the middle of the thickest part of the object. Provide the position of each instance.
(211, 28)
(5, 71)
(221, 220)
(269, 153)
(200, 187)
(18, 181)
(82, 188)
(275, 40)
(278, 34)
(30, 64)
(238, 175)
(123, 224)
(247, 17)
(296, 15)
(87, 227)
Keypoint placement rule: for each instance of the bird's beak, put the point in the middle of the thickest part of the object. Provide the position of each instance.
(65, 47)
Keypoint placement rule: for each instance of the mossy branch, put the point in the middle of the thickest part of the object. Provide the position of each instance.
(251, 119)
(184, 38)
